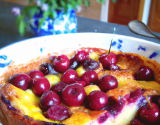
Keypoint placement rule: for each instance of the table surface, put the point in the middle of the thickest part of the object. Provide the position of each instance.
(9, 32)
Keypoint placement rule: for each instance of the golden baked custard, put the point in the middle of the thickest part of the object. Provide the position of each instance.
(87, 87)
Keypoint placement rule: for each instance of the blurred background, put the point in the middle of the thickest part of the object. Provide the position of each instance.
(121, 12)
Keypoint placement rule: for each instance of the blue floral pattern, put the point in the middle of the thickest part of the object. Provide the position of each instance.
(4, 61)
(62, 24)
(118, 44)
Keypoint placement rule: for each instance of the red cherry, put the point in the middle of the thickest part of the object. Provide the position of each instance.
(73, 95)
(35, 74)
(108, 60)
(144, 73)
(97, 100)
(90, 76)
(82, 55)
(40, 85)
(148, 114)
(49, 98)
(58, 112)
(21, 81)
(82, 83)
(108, 82)
(156, 99)
(58, 87)
(61, 63)
(69, 76)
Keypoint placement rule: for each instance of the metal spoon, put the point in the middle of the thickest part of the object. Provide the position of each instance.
(140, 28)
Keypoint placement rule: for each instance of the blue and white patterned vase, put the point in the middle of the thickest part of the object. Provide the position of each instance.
(62, 24)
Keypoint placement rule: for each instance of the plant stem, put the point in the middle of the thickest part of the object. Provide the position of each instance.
(148, 102)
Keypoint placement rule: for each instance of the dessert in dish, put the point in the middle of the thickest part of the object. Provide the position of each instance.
(87, 87)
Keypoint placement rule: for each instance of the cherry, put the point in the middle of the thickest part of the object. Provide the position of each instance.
(82, 83)
(114, 67)
(90, 76)
(46, 69)
(148, 114)
(156, 99)
(82, 55)
(102, 118)
(90, 64)
(107, 60)
(20, 80)
(108, 82)
(35, 74)
(136, 122)
(144, 73)
(40, 85)
(49, 98)
(69, 76)
(58, 112)
(97, 100)
(58, 87)
(115, 106)
(73, 95)
(74, 62)
(61, 63)
(135, 95)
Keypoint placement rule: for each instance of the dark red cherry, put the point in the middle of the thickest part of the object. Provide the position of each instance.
(58, 87)
(136, 122)
(135, 95)
(82, 55)
(73, 95)
(21, 81)
(69, 76)
(148, 114)
(90, 64)
(74, 62)
(144, 73)
(61, 63)
(58, 112)
(35, 74)
(46, 69)
(115, 106)
(49, 98)
(114, 67)
(108, 60)
(97, 100)
(90, 76)
(156, 99)
(108, 82)
(40, 85)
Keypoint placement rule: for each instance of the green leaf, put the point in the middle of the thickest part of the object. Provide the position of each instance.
(79, 2)
(18, 19)
(41, 21)
(30, 1)
(62, 3)
(22, 27)
(73, 3)
(101, 1)
(87, 3)
(114, 1)
(33, 11)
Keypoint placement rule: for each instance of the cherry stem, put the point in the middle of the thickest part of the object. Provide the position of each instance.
(148, 102)
(111, 42)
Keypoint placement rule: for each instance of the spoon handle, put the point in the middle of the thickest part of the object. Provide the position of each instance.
(157, 37)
